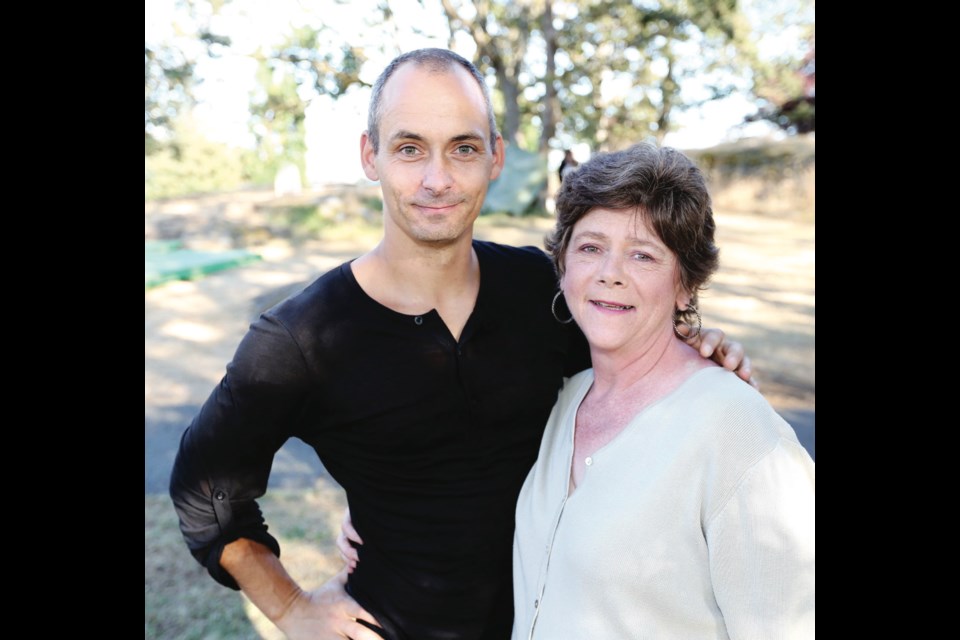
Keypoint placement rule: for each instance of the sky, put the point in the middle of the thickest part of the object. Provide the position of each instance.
(223, 96)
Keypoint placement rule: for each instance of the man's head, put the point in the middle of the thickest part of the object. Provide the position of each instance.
(431, 147)
(436, 60)
(662, 186)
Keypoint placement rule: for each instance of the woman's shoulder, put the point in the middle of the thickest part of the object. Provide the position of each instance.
(738, 413)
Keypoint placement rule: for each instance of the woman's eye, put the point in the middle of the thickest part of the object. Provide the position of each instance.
(589, 249)
(642, 257)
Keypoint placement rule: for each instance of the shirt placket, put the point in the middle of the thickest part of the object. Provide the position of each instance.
(545, 567)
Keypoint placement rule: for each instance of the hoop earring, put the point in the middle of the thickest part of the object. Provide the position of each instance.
(694, 334)
(553, 308)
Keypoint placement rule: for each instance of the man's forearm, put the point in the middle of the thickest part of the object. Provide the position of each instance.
(261, 576)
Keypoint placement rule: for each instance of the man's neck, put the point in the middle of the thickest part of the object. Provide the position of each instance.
(414, 278)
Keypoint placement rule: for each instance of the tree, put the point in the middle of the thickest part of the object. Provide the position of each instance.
(168, 80)
(191, 165)
(784, 77)
(169, 65)
(787, 89)
(301, 66)
(611, 73)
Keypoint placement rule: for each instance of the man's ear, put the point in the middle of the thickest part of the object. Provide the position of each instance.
(367, 156)
(499, 155)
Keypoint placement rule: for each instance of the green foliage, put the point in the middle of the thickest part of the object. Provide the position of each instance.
(628, 63)
(169, 70)
(168, 83)
(309, 56)
(191, 164)
(620, 67)
(278, 110)
(779, 80)
(619, 73)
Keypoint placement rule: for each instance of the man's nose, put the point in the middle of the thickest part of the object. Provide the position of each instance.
(437, 177)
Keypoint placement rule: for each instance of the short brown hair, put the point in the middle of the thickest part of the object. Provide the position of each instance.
(659, 183)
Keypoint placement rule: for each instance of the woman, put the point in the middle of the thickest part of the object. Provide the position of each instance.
(669, 500)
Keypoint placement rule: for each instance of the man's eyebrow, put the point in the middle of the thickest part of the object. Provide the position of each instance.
(466, 137)
(410, 135)
(407, 135)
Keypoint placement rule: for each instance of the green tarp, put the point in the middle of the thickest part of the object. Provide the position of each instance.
(518, 187)
(166, 260)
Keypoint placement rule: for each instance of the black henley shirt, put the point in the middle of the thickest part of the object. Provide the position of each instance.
(430, 437)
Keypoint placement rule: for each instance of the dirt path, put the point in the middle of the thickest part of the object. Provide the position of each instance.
(763, 296)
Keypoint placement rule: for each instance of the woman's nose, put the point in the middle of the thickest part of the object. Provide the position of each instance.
(611, 271)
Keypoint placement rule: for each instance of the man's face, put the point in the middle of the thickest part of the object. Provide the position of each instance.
(435, 162)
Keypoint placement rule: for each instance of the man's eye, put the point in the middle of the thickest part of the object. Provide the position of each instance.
(408, 151)
(465, 149)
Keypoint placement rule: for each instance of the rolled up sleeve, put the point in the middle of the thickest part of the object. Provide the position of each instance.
(226, 453)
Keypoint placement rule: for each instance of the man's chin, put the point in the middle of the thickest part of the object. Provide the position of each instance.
(443, 237)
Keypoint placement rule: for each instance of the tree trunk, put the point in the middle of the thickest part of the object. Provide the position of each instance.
(511, 102)
(551, 105)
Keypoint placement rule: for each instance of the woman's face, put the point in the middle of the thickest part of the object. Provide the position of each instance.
(621, 282)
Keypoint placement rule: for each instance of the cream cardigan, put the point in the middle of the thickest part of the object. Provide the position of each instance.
(696, 521)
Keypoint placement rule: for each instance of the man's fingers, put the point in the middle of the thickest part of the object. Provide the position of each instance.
(357, 631)
(744, 370)
(733, 356)
(346, 528)
(356, 612)
(710, 340)
(347, 551)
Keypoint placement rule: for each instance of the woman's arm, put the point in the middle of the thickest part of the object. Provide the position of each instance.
(762, 548)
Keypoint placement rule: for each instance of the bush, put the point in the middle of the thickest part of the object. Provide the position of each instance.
(189, 165)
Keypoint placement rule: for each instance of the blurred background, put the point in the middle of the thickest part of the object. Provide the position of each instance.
(236, 90)
(253, 187)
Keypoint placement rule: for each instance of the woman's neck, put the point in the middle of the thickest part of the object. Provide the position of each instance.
(644, 375)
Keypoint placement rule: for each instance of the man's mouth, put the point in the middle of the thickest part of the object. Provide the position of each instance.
(437, 206)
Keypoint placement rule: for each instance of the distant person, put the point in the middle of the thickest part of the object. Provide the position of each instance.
(568, 164)
(422, 374)
(668, 500)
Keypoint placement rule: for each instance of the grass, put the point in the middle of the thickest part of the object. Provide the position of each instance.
(182, 602)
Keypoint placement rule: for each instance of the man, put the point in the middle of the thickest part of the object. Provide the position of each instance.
(422, 373)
